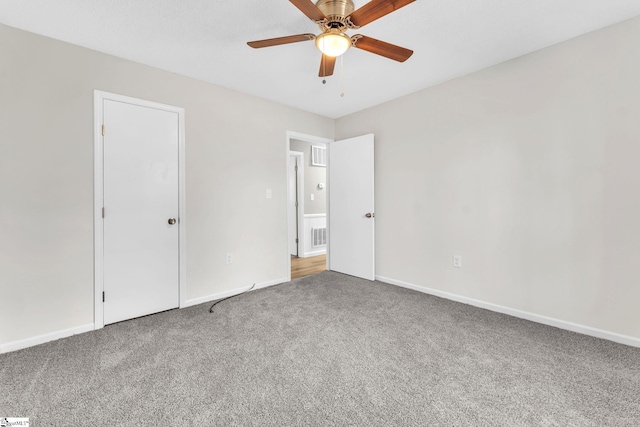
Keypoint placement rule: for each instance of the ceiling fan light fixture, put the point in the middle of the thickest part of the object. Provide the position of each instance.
(333, 43)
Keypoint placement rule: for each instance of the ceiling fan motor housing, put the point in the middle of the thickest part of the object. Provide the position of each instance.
(336, 12)
(342, 8)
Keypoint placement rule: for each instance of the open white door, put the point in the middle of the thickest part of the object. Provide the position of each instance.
(351, 207)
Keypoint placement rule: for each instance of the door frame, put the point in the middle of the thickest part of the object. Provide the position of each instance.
(308, 138)
(299, 155)
(98, 199)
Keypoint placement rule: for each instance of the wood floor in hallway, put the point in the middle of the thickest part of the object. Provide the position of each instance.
(301, 267)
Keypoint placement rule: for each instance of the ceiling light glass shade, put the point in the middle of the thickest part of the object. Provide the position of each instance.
(333, 44)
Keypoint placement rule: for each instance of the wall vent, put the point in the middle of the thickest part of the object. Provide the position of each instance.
(318, 156)
(318, 237)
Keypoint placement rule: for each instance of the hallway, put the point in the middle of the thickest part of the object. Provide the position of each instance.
(301, 267)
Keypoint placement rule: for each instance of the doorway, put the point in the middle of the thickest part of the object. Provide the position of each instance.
(307, 204)
(350, 211)
(139, 208)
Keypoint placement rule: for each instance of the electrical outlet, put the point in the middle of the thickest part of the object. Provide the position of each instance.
(457, 261)
(269, 194)
(229, 257)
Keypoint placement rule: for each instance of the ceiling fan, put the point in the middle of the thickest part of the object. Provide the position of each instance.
(334, 17)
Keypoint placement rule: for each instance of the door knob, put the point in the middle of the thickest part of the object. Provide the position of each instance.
(172, 221)
(370, 215)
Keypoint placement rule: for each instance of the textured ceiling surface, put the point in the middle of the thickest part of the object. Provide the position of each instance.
(206, 40)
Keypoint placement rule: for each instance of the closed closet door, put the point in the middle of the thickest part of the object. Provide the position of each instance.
(141, 206)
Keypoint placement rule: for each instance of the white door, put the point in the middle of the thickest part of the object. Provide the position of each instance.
(141, 249)
(351, 207)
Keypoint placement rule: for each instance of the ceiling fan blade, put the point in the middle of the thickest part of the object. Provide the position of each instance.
(379, 47)
(376, 9)
(327, 64)
(281, 40)
(310, 9)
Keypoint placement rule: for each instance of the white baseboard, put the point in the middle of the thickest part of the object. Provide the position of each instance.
(52, 336)
(314, 253)
(574, 327)
(270, 283)
(41, 339)
(562, 324)
(232, 292)
(213, 297)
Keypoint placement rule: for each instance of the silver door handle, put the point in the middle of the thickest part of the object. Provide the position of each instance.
(172, 221)
(370, 215)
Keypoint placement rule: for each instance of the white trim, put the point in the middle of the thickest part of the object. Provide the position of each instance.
(320, 215)
(328, 208)
(300, 195)
(232, 292)
(314, 253)
(98, 187)
(550, 321)
(305, 137)
(98, 203)
(44, 338)
(309, 138)
(216, 296)
(182, 210)
(271, 283)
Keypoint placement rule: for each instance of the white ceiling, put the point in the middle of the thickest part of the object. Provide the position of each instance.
(206, 40)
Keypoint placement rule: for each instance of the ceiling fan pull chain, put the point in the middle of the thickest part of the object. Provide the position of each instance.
(342, 76)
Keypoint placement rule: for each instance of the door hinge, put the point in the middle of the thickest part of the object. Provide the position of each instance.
(102, 130)
(102, 296)
(296, 204)
(296, 168)
(102, 212)
(297, 241)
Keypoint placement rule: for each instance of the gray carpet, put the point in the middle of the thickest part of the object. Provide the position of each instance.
(325, 350)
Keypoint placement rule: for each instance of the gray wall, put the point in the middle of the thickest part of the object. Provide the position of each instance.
(529, 170)
(313, 175)
(235, 149)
